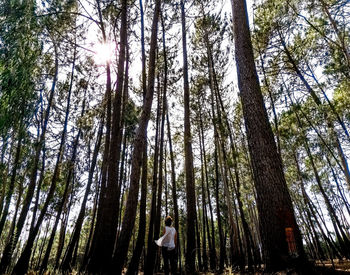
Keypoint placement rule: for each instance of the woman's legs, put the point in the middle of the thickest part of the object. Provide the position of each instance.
(171, 255)
(166, 260)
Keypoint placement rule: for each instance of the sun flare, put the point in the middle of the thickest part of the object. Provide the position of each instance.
(103, 53)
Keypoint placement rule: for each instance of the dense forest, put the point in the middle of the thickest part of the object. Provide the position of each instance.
(232, 117)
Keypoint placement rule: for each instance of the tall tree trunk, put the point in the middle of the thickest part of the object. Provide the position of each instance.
(38, 189)
(21, 266)
(74, 240)
(310, 210)
(88, 244)
(220, 132)
(204, 207)
(143, 53)
(273, 200)
(92, 256)
(308, 215)
(64, 200)
(151, 245)
(174, 189)
(106, 230)
(212, 240)
(8, 251)
(18, 203)
(342, 237)
(62, 234)
(41, 248)
(222, 115)
(161, 145)
(3, 172)
(124, 156)
(236, 245)
(133, 267)
(136, 162)
(255, 236)
(166, 186)
(247, 233)
(218, 213)
(198, 240)
(11, 187)
(190, 190)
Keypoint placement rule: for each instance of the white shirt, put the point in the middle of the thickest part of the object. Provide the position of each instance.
(168, 239)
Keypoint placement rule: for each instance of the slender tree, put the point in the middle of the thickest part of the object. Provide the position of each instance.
(138, 148)
(65, 196)
(22, 264)
(140, 242)
(190, 190)
(66, 264)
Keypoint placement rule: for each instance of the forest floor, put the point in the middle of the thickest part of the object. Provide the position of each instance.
(340, 267)
(321, 268)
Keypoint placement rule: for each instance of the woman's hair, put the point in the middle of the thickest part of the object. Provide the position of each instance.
(168, 221)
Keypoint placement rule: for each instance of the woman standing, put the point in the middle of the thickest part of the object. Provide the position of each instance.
(168, 244)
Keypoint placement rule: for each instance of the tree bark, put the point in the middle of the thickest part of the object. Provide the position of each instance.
(133, 267)
(64, 223)
(273, 199)
(3, 172)
(136, 162)
(13, 223)
(210, 240)
(218, 213)
(106, 230)
(174, 189)
(161, 145)
(310, 210)
(88, 244)
(67, 259)
(151, 246)
(8, 251)
(64, 200)
(5, 261)
(343, 240)
(11, 187)
(190, 190)
(21, 266)
(317, 243)
(204, 207)
(41, 248)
